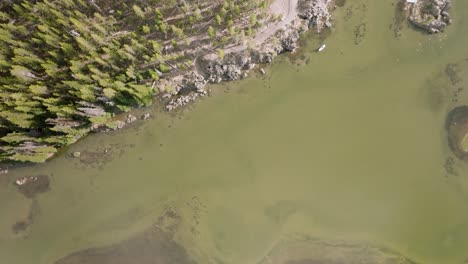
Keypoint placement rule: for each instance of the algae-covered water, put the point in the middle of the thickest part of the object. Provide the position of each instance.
(346, 147)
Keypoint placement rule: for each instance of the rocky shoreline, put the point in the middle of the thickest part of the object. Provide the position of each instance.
(312, 14)
(431, 16)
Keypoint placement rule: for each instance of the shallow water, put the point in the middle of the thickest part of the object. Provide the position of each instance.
(349, 146)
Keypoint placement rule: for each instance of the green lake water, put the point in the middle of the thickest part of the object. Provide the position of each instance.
(349, 146)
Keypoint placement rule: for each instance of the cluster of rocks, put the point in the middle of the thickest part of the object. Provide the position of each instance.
(313, 13)
(430, 15)
(229, 69)
(119, 124)
(181, 101)
(188, 88)
(3, 171)
(182, 85)
(316, 12)
(145, 116)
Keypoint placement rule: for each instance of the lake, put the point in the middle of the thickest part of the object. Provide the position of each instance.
(346, 147)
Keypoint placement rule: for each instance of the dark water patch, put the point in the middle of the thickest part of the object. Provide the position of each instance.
(348, 14)
(436, 91)
(30, 186)
(400, 18)
(99, 156)
(449, 167)
(22, 226)
(280, 211)
(324, 34)
(155, 247)
(360, 33)
(303, 55)
(453, 73)
(340, 3)
(308, 250)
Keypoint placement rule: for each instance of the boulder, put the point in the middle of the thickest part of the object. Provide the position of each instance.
(289, 39)
(431, 16)
(130, 119)
(119, 124)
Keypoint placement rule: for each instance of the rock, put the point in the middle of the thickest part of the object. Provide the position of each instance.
(145, 116)
(224, 72)
(3, 171)
(130, 119)
(76, 154)
(262, 71)
(166, 96)
(182, 100)
(232, 72)
(21, 181)
(430, 15)
(289, 40)
(262, 57)
(191, 82)
(119, 124)
(228, 69)
(316, 12)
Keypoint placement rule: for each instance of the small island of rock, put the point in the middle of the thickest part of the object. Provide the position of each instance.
(429, 15)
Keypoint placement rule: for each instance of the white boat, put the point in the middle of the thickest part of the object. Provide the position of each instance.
(322, 48)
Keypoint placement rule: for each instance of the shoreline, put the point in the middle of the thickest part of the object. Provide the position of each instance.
(283, 37)
(273, 38)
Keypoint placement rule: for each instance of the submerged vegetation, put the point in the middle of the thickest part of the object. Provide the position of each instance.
(68, 66)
